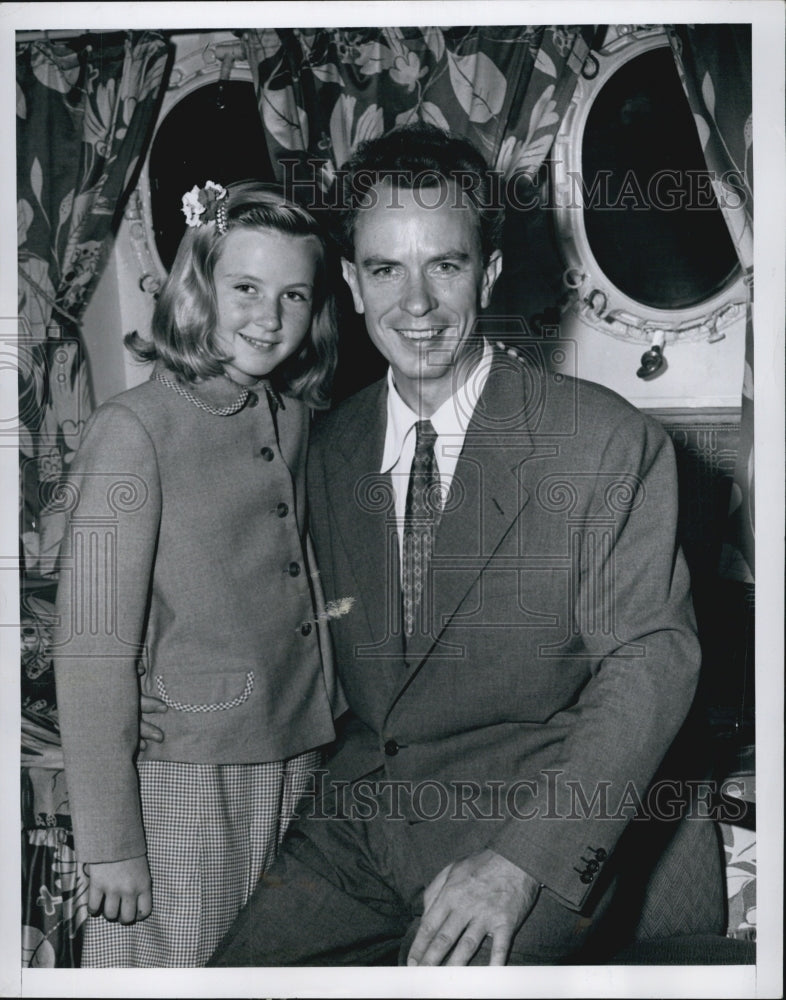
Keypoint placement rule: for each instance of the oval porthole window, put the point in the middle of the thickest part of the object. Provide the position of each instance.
(652, 219)
(213, 133)
(644, 244)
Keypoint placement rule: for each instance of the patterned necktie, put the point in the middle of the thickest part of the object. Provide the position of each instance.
(420, 519)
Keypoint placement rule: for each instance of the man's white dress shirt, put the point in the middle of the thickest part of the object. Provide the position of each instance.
(450, 422)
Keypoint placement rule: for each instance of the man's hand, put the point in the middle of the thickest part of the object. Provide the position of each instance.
(120, 890)
(147, 731)
(483, 895)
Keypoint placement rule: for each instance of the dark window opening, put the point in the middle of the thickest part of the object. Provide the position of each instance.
(214, 133)
(651, 218)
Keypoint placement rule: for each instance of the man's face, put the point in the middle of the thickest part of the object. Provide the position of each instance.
(418, 277)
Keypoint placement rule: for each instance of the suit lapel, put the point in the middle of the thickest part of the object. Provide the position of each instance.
(363, 511)
(488, 493)
(487, 496)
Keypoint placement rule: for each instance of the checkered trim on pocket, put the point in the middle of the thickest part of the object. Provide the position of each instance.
(219, 706)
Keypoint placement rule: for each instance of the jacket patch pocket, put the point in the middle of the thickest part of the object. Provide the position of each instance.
(213, 695)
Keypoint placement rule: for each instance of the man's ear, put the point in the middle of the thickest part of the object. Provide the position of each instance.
(350, 273)
(490, 274)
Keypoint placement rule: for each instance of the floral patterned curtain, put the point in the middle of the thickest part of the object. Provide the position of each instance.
(714, 62)
(85, 113)
(321, 91)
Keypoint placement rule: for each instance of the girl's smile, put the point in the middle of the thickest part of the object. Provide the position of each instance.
(260, 345)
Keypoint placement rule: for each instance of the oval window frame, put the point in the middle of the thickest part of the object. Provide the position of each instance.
(193, 68)
(592, 295)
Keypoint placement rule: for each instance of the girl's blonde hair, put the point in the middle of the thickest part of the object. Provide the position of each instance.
(186, 314)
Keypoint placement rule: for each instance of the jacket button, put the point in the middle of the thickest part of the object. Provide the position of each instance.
(267, 454)
(592, 866)
(294, 569)
(305, 628)
(391, 748)
(599, 853)
(587, 877)
(282, 510)
(252, 400)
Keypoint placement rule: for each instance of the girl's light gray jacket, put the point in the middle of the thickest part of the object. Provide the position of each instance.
(186, 562)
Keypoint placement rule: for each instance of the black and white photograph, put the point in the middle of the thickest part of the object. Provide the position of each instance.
(394, 422)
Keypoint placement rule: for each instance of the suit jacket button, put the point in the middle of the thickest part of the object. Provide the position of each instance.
(282, 509)
(592, 866)
(600, 853)
(267, 454)
(252, 399)
(305, 628)
(391, 748)
(587, 877)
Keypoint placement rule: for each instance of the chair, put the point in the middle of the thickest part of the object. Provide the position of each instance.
(670, 907)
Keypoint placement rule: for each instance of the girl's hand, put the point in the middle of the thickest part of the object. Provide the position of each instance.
(149, 706)
(120, 889)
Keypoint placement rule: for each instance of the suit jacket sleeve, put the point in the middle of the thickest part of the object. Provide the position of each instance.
(105, 578)
(609, 743)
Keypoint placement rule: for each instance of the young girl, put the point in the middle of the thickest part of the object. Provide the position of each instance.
(187, 561)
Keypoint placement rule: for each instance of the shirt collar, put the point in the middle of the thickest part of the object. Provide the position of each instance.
(451, 419)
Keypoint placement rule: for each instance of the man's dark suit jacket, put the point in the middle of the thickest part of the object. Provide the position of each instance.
(562, 657)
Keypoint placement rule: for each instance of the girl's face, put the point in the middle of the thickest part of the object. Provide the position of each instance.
(264, 283)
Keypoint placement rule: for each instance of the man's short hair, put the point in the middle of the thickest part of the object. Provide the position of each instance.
(419, 156)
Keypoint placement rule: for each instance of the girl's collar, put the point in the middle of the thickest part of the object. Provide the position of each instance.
(220, 395)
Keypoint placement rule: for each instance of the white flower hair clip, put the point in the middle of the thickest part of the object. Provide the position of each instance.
(202, 206)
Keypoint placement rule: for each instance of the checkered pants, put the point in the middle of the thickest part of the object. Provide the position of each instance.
(211, 831)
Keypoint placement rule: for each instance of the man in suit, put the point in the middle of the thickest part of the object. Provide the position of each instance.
(521, 649)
